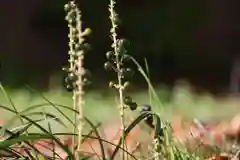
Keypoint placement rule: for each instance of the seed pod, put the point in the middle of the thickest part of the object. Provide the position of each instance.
(66, 80)
(146, 108)
(133, 106)
(111, 84)
(128, 100)
(70, 86)
(87, 31)
(108, 66)
(67, 7)
(72, 77)
(149, 119)
(110, 55)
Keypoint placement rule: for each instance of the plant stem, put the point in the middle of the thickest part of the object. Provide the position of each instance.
(72, 68)
(113, 17)
(80, 94)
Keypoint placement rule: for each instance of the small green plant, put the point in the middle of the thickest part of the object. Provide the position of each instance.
(115, 62)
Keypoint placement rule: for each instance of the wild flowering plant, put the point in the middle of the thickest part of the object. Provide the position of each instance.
(76, 73)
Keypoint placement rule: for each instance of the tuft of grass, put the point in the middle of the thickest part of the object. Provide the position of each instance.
(12, 139)
(28, 103)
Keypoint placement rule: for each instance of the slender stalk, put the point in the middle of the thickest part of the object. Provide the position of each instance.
(79, 82)
(71, 62)
(76, 69)
(113, 17)
(80, 72)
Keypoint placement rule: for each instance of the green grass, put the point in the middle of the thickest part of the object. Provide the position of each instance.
(101, 106)
(100, 103)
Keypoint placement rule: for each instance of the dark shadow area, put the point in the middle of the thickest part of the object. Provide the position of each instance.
(194, 40)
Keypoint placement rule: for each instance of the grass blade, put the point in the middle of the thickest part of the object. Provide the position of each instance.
(93, 137)
(128, 129)
(140, 69)
(47, 115)
(98, 136)
(52, 104)
(71, 157)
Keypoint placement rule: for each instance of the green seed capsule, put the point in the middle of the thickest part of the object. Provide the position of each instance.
(66, 7)
(108, 66)
(127, 100)
(111, 84)
(133, 106)
(110, 55)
